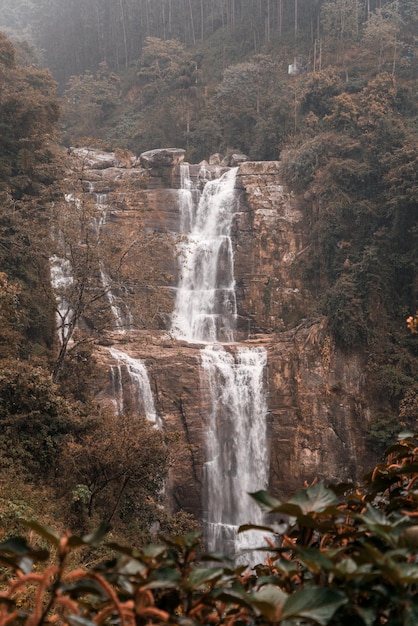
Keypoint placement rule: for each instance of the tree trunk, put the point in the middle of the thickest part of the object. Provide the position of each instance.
(192, 22)
(394, 56)
(268, 22)
(118, 499)
(125, 41)
(296, 18)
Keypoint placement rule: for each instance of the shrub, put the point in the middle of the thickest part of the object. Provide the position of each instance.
(340, 556)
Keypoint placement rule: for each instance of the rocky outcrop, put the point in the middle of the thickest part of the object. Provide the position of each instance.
(318, 404)
(270, 236)
(162, 157)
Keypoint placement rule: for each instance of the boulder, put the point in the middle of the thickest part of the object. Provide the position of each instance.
(162, 157)
(100, 160)
(235, 159)
(215, 159)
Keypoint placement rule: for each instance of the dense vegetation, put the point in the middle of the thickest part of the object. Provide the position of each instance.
(214, 77)
(340, 556)
(207, 76)
(53, 436)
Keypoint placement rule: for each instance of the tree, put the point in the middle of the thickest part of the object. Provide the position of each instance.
(10, 317)
(122, 461)
(88, 104)
(35, 420)
(340, 22)
(78, 241)
(337, 555)
(381, 34)
(253, 107)
(28, 167)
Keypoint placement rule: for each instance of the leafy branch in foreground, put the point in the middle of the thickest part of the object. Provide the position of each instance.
(342, 556)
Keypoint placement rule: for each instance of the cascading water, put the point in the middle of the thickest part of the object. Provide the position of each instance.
(205, 307)
(236, 445)
(61, 282)
(122, 318)
(205, 312)
(139, 377)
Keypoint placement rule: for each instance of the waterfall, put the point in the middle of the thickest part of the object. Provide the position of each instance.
(121, 315)
(205, 307)
(122, 319)
(205, 312)
(138, 375)
(117, 386)
(236, 443)
(61, 281)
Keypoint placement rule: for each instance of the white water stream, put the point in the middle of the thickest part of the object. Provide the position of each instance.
(205, 312)
(205, 307)
(138, 374)
(62, 282)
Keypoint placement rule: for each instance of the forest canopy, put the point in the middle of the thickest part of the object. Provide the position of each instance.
(328, 87)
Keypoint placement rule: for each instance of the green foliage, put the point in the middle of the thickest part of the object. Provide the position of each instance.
(28, 166)
(89, 102)
(382, 431)
(320, 89)
(345, 313)
(121, 463)
(342, 555)
(34, 420)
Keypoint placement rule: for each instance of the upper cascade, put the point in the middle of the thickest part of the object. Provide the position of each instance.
(205, 307)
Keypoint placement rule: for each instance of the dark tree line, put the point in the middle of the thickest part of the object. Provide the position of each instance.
(77, 35)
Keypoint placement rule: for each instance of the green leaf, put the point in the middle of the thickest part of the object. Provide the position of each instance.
(368, 615)
(317, 604)
(232, 596)
(133, 567)
(43, 531)
(16, 552)
(409, 537)
(126, 550)
(93, 539)
(265, 501)
(315, 499)
(201, 576)
(163, 578)
(15, 545)
(313, 559)
(346, 567)
(152, 551)
(267, 600)
(84, 586)
(245, 527)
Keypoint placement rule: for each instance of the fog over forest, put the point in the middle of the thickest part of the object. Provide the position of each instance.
(209, 287)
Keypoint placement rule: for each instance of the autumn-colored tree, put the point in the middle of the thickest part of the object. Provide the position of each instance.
(34, 421)
(381, 35)
(88, 103)
(28, 166)
(122, 462)
(10, 335)
(341, 21)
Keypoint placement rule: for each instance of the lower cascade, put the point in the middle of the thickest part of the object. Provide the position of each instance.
(138, 375)
(236, 443)
(205, 312)
(205, 307)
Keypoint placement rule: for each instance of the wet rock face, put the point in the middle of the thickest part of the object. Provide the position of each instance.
(317, 404)
(270, 235)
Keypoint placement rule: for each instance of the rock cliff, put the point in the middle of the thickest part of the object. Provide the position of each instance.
(317, 402)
